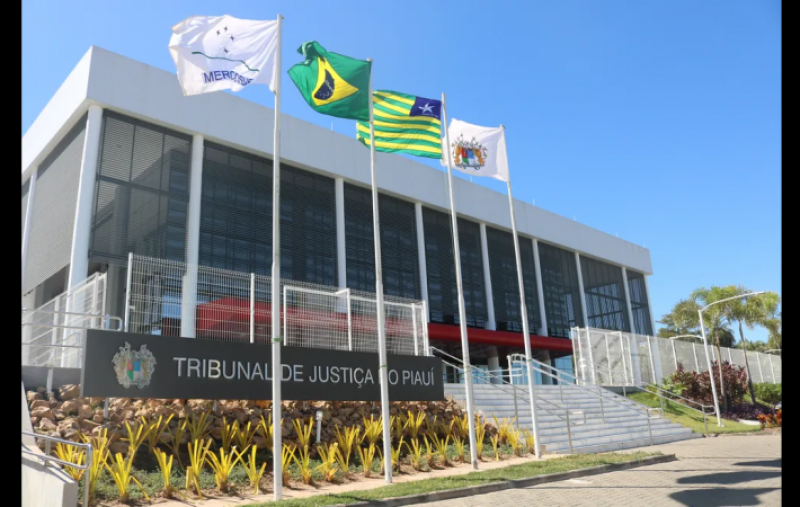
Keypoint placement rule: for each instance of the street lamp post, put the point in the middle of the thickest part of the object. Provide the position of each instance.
(705, 346)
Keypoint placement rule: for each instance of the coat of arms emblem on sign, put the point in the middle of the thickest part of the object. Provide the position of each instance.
(134, 368)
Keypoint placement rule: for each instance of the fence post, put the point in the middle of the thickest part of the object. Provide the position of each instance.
(414, 326)
(252, 307)
(696, 364)
(425, 341)
(608, 360)
(771, 367)
(622, 356)
(652, 361)
(674, 353)
(128, 292)
(350, 321)
(591, 356)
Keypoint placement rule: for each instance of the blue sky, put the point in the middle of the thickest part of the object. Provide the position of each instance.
(659, 122)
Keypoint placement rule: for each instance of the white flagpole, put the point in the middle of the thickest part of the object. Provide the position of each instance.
(277, 371)
(383, 367)
(462, 314)
(524, 311)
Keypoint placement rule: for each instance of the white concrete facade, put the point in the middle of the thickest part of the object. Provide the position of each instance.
(105, 80)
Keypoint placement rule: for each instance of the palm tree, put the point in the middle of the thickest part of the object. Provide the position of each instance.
(749, 312)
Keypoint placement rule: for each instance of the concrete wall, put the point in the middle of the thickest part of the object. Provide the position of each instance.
(46, 486)
(36, 376)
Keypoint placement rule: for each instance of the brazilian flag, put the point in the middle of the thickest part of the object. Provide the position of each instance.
(331, 83)
(404, 124)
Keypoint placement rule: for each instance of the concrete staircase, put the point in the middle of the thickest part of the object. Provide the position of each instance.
(624, 425)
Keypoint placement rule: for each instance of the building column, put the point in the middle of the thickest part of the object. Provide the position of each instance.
(189, 293)
(82, 229)
(649, 304)
(423, 263)
(544, 357)
(584, 313)
(341, 251)
(491, 323)
(539, 288)
(628, 302)
(26, 233)
(494, 365)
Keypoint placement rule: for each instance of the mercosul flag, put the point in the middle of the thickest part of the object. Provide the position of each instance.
(476, 150)
(223, 53)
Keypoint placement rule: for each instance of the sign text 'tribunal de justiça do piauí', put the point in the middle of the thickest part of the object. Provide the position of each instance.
(130, 365)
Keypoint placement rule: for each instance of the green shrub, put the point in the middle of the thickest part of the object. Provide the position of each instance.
(768, 393)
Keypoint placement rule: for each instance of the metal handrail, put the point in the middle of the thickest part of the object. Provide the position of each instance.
(106, 319)
(566, 418)
(46, 458)
(646, 386)
(602, 394)
(597, 394)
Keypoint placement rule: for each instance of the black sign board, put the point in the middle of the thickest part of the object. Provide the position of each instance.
(127, 365)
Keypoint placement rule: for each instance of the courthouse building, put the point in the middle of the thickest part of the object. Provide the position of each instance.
(120, 162)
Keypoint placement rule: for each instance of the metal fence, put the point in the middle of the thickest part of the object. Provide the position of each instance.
(173, 298)
(53, 333)
(609, 357)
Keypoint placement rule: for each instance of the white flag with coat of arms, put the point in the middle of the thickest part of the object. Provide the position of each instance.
(215, 53)
(476, 150)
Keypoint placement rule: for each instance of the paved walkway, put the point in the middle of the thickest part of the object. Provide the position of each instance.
(710, 472)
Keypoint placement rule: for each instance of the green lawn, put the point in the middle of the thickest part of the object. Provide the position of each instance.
(525, 470)
(692, 419)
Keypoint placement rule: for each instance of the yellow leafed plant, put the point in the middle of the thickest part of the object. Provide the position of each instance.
(154, 430)
(100, 454)
(414, 423)
(458, 443)
(265, 427)
(504, 428)
(287, 454)
(372, 429)
(222, 466)
(328, 454)
(137, 434)
(303, 457)
(165, 467)
(197, 457)
(244, 436)
(72, 454)
(199, 425)
(176, 438)
(529, 443)
(415, 454)
(495, 439)
(229, 431)
(303, 432)
(252, 470)
(398, 425)
(515, 441)
(396, 455)
(441, 448)
(461, 425)
(430, 455)
(346, 443)
(480, 434)
(120, 471)
(367, 456)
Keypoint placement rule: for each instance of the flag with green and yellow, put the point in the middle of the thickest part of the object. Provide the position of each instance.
(331, 83)
(404, 124)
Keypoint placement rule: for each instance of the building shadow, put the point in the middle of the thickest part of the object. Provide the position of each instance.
(720, 497)
(773, 463)
(729, 478)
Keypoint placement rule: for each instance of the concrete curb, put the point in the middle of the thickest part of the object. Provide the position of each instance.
(436, 496)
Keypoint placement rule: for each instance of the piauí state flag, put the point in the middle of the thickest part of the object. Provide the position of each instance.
(215, 53)
(404, 124)
(476, 150)
(331, 83)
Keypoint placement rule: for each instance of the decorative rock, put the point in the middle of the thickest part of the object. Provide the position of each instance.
(98, 418)
(70, 407)
(69, 392)
(118, 447)
(40, 403)
(43, 413)
(47, 424)
(261, 442)
(85, 412)
(32, 396)
(58, 413)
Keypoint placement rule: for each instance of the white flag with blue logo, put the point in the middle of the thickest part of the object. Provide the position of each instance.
(476, 150)
(215, 53)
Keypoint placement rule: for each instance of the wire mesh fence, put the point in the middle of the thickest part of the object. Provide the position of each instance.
(173, 298)
(53, 333)
(610, 357)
